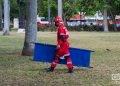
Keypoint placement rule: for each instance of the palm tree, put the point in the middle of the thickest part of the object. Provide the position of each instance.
(21, 16)
(31, 27)
(60, 8)
(6, 17)
(0, 15)
(105, 24)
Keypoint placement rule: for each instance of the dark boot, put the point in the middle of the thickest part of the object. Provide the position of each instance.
(51, 69)
(70, 71)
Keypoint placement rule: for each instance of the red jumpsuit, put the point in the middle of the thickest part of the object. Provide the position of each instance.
(63, 51)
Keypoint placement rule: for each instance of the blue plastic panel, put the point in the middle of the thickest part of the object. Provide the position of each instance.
(46, 52)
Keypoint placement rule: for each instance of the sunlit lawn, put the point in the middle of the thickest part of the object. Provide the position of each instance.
(17, 70)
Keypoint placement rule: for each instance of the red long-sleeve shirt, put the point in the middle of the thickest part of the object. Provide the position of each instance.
(62, 30)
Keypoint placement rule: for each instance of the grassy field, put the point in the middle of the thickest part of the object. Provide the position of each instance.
(17, 70)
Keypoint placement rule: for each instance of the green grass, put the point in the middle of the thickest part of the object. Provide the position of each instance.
(17, 70)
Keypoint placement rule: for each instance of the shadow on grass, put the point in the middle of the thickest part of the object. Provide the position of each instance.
(61, 70)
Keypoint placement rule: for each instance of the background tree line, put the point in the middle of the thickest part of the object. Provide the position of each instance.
(70, 7)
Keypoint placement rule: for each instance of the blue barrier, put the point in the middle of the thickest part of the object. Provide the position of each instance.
(46, 52)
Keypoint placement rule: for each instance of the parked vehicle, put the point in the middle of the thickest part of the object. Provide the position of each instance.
(118, 22)
(42, 21)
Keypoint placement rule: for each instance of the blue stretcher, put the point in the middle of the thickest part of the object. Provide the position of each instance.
(46, 53)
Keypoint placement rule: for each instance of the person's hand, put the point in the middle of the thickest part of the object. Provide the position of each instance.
(58, 46)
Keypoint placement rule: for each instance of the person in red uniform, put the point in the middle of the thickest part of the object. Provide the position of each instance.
(62, 49)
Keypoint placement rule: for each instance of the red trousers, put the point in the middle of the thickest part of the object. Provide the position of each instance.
(57, 59)
(63, 51)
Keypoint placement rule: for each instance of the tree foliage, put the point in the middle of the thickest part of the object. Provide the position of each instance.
(70, 7)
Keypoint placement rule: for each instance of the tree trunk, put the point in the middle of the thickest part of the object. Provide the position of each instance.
(65, 22)
(31, 28)
(60, 8)
(6, 17)
(113, 19)
(105, 20)
(21, 17)
(49, 12)
(1, 15)
(114, 22)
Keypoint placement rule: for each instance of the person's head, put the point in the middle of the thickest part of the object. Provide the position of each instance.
(57, 21)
